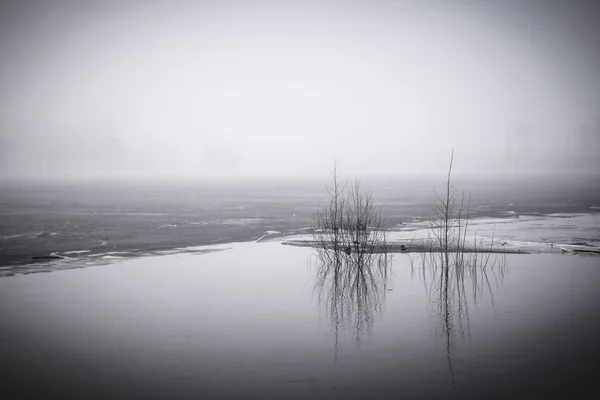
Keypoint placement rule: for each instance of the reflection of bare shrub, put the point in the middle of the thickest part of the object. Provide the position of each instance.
(453, 287)
(352, 287)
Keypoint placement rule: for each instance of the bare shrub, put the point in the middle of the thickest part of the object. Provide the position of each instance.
(350, 221)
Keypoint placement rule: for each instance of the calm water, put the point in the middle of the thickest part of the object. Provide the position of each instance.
(253, 321)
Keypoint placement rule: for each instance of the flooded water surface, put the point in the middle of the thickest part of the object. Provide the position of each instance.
(256, 321)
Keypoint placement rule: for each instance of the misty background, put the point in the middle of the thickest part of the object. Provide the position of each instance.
(221, 89)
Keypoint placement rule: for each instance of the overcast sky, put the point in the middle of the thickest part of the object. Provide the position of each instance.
(215, 89)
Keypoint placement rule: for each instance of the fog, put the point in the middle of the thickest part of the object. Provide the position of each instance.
(225, 89)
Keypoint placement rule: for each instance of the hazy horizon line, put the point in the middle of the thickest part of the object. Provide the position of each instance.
(292, 178)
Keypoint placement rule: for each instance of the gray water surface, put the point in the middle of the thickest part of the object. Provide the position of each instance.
(253, 321)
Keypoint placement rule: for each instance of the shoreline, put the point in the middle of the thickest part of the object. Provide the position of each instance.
(408, 246)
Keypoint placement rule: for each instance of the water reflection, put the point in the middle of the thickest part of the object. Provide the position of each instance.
(454, 281)
(352, 288)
